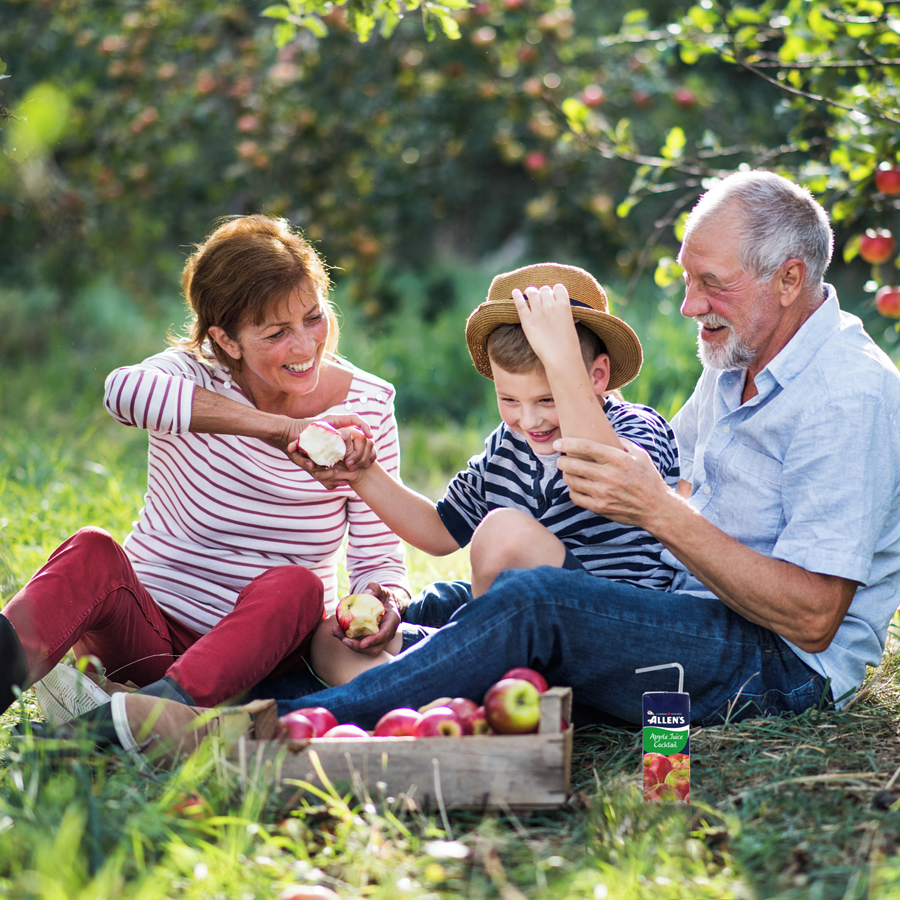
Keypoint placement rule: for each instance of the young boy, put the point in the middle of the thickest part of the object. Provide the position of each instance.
(545, 338)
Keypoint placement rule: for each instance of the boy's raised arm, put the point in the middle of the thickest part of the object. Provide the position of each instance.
(546, 316)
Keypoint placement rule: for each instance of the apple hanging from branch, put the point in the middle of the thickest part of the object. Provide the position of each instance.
(887, 179)
(876, 246)
(887, 301)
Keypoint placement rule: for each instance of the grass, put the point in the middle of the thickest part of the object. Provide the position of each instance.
(784, 806)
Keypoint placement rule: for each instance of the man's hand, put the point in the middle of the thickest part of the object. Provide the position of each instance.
(393, 602)
(622, 485)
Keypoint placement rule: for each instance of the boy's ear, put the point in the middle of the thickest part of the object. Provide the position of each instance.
(599, 373)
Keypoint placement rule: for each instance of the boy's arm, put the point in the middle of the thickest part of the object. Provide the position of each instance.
(546, 317)
(409, 515)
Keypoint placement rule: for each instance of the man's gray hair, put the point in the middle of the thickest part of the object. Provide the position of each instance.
(779, 221)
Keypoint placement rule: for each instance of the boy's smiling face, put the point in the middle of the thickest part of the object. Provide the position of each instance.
(526, 406)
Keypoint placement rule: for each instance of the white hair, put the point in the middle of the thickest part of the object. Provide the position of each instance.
(779, 220)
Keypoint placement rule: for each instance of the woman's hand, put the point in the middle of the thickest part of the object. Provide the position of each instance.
(360, 452)
(373, 644)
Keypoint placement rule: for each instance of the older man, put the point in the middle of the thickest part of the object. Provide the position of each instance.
(788, 549)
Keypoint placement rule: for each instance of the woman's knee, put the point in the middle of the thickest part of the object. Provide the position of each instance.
(290, 587)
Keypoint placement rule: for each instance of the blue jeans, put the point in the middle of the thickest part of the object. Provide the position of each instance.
(590, 634)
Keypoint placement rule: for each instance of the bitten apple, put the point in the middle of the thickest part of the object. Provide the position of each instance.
(876, 246)
(531, 675)
(359, 615)
(397, 723)
(513, 706)
(322, 443)
(439, 722)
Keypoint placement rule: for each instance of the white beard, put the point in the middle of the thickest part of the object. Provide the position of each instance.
(732, 353)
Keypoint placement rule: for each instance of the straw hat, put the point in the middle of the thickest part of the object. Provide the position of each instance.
(589, 305)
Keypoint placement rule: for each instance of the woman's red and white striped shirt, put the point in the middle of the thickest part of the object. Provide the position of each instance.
(222, 509)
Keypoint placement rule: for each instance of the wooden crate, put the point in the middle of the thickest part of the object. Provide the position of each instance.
(528, 771)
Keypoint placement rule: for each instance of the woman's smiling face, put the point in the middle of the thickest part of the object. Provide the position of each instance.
(283, 353)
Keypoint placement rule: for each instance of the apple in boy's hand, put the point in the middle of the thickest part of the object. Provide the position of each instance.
(680, 779)
(298, 726)
(513, 706)
(359, 615)
(535, 678)
(322, 443)
(397, 723)
(323, 719)
(346, 731)
(656, 767)
(439, 722)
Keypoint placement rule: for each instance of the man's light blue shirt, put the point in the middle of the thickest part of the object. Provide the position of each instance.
(808, 471)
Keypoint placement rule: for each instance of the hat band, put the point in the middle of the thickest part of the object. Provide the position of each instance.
(580, 303)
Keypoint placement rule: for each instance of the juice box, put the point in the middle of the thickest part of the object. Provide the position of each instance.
(666, 769)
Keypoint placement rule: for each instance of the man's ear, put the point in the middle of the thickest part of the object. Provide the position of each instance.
(599, 373)
(789, 281)
(232, 348)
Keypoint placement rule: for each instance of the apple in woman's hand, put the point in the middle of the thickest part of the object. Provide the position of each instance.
(359, 615)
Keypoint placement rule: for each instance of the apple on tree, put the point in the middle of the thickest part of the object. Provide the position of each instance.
(513, 706)
(876, 246)
(887, 301)
(887, 179)
(359, 615)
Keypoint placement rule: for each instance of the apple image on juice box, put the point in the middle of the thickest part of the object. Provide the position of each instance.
(666, 742)
(322, 443)
(359, 615)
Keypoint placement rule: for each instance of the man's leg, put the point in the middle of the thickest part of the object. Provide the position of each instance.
(590, 634)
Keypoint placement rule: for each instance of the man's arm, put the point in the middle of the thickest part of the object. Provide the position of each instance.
(805, 608)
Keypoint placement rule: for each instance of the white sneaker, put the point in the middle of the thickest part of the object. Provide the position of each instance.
(65, 693)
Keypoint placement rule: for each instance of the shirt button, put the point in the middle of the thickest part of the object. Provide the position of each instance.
(348, 405)
(227, 385)
(726, 429)
(705, 488)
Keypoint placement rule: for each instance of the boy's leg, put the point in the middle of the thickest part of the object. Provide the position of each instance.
(336, 664)
(511, 539)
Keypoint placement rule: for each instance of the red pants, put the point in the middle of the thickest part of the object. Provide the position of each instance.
(88, 597)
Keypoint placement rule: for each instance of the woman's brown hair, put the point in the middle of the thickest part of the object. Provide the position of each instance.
(244, 267)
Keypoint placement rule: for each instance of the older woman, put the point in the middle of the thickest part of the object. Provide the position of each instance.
(232, 562)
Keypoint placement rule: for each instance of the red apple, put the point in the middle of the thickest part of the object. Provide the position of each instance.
(680, 760)
(359, 615)
(535, 678)
(887, 179)
(465, 709)
(684, 97)
(397, 723)
(323, 719)
(680, 779)
(480, 724)
(535, 162)
(876, 246)
(887, 301)
(346, 731)
(592, 96)
(662, 793)
(439, 722)
(656, 767)
(298, 726)
(513, 706)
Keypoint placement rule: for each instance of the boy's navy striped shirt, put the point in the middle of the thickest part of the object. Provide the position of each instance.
(509, 474)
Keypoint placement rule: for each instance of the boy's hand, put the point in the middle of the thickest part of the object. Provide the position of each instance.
(374, 644)
(546, 317)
